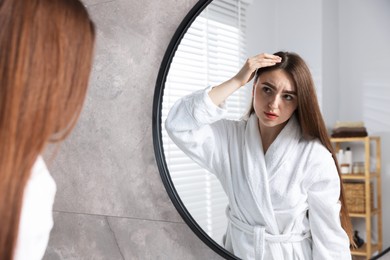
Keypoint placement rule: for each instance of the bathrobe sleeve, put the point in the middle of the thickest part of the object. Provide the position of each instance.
(194, 124)
(330, 241)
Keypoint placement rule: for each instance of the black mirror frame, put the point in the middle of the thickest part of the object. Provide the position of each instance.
(157, 138)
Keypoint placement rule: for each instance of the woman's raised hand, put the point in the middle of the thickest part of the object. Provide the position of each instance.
(221, 92)
(247, 72)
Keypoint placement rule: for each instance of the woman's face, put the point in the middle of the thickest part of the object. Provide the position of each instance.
(275, 98)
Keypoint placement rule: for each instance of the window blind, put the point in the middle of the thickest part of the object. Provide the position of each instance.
(212, 51)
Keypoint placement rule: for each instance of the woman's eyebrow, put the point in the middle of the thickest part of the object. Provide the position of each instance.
(291, 92)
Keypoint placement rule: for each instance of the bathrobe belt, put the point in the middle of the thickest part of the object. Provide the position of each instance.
(260, 236)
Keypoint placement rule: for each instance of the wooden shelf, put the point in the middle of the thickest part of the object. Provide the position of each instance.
(363, 215)
(362, 251)
(358, 176)
(353, 139)
(367, 177)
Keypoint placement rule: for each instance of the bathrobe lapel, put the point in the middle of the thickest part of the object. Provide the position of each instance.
(282, 147)
(259, 169)
(257, 174)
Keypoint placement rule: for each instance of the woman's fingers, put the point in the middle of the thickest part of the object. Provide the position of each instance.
(267, 56)
(263, 60)
(252, 64)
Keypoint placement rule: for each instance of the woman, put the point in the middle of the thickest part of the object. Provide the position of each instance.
(45, 60)
(277, 166)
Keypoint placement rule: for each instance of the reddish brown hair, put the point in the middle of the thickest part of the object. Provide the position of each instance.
(312, 123)
(46, 49)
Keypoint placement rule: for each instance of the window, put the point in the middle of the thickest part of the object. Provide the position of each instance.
(212, 51)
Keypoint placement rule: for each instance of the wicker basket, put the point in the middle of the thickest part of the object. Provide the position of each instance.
(355, 196)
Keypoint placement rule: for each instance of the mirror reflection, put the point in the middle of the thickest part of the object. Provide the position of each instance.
(246, 147)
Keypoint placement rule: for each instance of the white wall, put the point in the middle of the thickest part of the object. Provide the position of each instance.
(347, 47)
(261, 27)
(285, 25)
(364, 64)
(330, 65)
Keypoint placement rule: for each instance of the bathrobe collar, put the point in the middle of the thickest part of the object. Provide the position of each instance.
(281, 148)
(260, 168)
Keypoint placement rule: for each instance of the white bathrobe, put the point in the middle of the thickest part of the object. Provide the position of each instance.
(36, 217)
(269, 195)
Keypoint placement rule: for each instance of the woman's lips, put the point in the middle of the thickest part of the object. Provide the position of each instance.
(271, 115)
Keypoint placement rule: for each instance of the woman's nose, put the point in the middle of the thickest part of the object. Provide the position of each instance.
(274, 102)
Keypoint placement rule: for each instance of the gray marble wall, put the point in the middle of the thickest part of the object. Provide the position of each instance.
(110, 202)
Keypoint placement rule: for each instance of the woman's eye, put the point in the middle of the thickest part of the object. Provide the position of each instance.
(267, 89)
(288, 97)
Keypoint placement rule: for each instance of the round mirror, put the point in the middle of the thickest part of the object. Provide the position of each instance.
(345, 44)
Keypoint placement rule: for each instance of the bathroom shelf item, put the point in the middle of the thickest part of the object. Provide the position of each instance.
(356, 196)
(367, 178)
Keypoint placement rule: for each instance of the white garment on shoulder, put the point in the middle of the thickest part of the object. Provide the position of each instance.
(36, 219)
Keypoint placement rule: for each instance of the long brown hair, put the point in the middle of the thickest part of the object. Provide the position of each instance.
(46, 49)
(308, 114)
